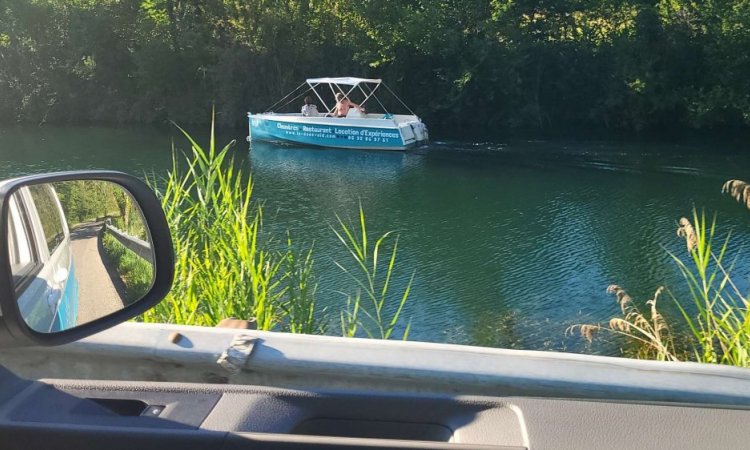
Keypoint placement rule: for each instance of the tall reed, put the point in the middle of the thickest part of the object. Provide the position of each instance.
(722, 324)
(719, 324)
(222, 268)
(373, 308)
(300, 307)
(648, 330)
(225, 269)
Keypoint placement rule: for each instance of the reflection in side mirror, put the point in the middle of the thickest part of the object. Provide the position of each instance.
(79, 250)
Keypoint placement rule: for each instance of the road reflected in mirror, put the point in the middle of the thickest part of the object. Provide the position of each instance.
(79, 250)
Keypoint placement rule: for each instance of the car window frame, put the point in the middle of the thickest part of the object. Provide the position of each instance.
(23, 277)
(59, 237)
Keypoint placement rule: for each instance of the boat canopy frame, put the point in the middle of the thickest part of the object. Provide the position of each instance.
(368, 87)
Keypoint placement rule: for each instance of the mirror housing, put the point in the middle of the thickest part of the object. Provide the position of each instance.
(14, 330)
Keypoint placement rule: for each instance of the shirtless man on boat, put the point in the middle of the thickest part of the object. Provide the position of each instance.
(343, 105)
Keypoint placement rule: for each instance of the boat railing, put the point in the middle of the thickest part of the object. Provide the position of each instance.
(397, 118)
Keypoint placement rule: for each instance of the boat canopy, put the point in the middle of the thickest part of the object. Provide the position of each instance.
(347, 81)
(366, 86)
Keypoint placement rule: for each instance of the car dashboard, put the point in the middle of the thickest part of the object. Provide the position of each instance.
(312, 392)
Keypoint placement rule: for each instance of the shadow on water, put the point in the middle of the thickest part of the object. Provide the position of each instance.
(312, 162)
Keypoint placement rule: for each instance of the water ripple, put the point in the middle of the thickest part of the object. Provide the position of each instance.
(511, 242)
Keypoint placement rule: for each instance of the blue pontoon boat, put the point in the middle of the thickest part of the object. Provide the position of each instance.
(358, 130)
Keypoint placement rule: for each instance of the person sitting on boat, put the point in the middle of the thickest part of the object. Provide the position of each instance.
(309, 109)
(343, 105)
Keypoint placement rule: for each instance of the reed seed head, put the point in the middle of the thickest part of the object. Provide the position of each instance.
(685, 230)
(738, 190)
(623, 299)
(588, 331)
(619, 324)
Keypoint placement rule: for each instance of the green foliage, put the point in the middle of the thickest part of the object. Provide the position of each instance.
(222, 270)
(225, 267)
(87, 200)
(136, 274)
(129, 217)
(722, 324)
(514, 63)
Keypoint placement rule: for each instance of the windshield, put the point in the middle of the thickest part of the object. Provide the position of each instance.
(558, 176)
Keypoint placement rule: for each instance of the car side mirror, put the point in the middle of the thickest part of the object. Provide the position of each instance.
(80, 252)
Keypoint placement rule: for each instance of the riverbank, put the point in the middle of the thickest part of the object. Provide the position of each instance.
(633, 67)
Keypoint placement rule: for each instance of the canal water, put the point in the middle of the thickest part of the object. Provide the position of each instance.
(510, 243)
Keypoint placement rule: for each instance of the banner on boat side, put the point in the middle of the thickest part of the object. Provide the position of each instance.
(325, 135)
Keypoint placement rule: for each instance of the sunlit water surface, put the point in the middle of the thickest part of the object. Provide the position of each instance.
(510, 243)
